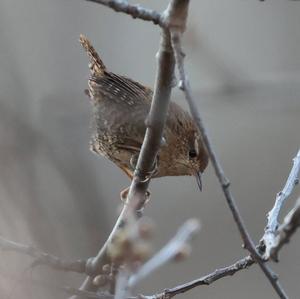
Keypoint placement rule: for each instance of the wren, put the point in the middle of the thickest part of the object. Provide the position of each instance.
(120, 108)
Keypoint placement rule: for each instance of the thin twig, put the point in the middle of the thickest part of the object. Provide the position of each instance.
(136, 11)
(168, 252)
(248, 242)
(286, 230)
(269, 236)
(208, 279)
(43, 258)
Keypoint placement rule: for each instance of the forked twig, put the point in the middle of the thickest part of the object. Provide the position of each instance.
(290, 224)
(269, 237)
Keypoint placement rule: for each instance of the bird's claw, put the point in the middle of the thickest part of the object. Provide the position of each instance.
(124, 194)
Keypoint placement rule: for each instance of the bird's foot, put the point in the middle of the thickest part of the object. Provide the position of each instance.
(145, 177)
(124, 194)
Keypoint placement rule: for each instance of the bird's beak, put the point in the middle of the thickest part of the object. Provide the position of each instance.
(198, 179)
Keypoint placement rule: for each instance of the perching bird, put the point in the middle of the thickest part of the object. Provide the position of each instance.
(120, 108)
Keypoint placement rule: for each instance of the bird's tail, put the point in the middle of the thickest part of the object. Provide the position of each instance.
(96, 65)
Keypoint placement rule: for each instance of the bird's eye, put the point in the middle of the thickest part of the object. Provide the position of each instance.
(192, 153)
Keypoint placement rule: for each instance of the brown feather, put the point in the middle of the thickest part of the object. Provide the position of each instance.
(121, 106)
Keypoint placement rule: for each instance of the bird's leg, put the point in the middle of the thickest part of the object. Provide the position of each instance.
(147, 176)
(123, 194)
(133, 162)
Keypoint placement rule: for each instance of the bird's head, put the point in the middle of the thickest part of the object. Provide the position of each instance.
(184, 151)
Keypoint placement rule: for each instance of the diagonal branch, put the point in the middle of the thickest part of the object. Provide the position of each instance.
(208, 279)
(269, 237)
(168, 252)
(42, 258)
(151, 144)
(136, 11)
(248, 243)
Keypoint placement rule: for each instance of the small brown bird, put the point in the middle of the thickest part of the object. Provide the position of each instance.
(120, 107)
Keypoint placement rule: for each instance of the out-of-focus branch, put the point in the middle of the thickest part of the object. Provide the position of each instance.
(168, 252)
(42, 258)
(48, 286)
(269, 238)
(248, 242)
(121, 290)
(136, 11)
(286, 230)
(86, 294)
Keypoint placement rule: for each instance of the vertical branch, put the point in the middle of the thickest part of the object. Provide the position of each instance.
(155, 123)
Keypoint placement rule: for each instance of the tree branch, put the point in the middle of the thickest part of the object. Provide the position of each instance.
(168, 252)
(286, 230)
(136, 11)
(173, 23)
(284, 233)
(151, 144)
(269, 238)
(208, 279)
(248, 243)
(42, 258)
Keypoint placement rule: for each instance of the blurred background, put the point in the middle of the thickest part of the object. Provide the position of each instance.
(243, 59)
